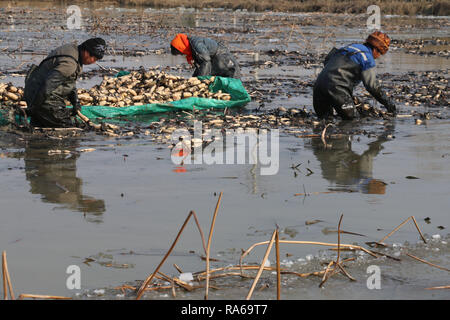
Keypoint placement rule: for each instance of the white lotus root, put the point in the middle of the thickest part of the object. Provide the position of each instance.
(8, 92)
(139, 88)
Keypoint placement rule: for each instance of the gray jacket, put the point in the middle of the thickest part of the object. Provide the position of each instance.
(343, 71)
(212, 58)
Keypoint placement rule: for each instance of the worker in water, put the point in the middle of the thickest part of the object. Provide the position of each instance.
(52, 83)
(343, 70)
(209, 57)
(349, 170)
(54, 177)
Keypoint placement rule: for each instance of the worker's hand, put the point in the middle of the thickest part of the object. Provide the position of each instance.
(75, 108)
(390, 107)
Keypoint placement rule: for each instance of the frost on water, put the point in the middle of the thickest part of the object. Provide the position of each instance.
(99, 291)
(287, 263)
(186, 277)
(436, 237)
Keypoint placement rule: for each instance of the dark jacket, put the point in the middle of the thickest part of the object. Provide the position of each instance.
(342, 72)
(52, 82)
(212, 58)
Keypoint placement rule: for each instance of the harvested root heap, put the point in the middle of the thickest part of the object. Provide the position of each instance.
(12, 94)
(140, 87)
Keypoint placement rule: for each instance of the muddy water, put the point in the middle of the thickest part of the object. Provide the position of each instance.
(122, 204)
(114, 211)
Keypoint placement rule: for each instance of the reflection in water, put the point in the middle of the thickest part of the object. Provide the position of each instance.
(348, 170)
(53, 175)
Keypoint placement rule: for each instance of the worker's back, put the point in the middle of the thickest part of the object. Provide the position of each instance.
(65, 61)
(342, 72)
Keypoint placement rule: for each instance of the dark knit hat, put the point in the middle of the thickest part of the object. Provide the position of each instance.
(95, 46)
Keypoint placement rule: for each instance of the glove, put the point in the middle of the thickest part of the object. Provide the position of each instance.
(76, 106)
(390, 107)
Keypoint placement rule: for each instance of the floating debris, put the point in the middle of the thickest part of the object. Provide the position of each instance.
(309, 222)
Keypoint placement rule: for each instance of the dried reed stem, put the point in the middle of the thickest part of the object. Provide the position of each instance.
(244, 254)
(6, 278)
(266, 255)
(339, 240)
(150, 278)
(429, 263)
(401, 224)
(178, 268)
(245, 267)
(222, 275)
(209, 245)
(435, 288)
(421, 235)
(304, 275)
(158, 288)
(345, 272)
(277, 248)
(325, 275)
(182, 284)
(317, 192)
(174, 294)
(5, 286)
(199, 230)
(40, 296)
(337, 264)
(315, 273)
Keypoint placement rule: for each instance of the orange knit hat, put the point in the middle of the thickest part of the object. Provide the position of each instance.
(380, 41)
(181, 43)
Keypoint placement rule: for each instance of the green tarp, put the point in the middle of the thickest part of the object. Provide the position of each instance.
(239, 98)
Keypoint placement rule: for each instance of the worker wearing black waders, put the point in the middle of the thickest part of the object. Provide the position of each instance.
(209, 57)
(48, 85)
(344, 69)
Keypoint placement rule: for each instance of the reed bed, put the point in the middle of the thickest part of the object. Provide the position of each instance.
(201, 279)
(410, 7)
(243, 270)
